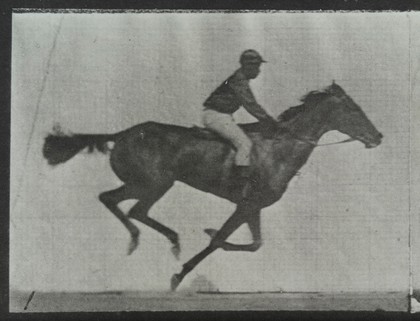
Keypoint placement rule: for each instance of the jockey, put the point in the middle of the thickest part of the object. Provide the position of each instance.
(233, 93)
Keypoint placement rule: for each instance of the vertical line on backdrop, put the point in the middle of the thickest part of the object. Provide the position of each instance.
(38, 103)
(410, 268)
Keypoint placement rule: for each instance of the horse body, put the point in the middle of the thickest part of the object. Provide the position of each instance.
(151, 156)
(153, 153)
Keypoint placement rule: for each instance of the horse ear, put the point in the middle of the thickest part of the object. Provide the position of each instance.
(334, 86)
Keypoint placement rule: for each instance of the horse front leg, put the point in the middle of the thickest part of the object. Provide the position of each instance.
(237, 219)
(254, 224)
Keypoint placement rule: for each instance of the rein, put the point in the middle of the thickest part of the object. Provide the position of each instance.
(314, 143)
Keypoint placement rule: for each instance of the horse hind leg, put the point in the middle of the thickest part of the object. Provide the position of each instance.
(140, 212)
(111, 199)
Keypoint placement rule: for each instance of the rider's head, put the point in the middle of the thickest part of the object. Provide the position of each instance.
(250, 62)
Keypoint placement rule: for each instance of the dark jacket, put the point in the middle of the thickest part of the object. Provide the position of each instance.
(233, 93)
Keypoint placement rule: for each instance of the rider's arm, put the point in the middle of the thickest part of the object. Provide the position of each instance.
(247, 99)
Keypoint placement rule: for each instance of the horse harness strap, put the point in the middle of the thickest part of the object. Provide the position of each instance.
(208, 134)
(315, 144)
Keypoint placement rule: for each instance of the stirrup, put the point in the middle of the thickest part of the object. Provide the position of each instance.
(246, 190)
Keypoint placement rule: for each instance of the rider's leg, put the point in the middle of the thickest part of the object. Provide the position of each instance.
(225, 126)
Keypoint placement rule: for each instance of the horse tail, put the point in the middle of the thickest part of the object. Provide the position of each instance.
(59, 148)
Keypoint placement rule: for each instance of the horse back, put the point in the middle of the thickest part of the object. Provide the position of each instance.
(171, 147)
(171, 132)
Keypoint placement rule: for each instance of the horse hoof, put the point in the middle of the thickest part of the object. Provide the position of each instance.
(176, 250)
(175, 281)
(133, 245)
(210, 232)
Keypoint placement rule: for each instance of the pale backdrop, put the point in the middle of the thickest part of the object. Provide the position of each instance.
(341, 226)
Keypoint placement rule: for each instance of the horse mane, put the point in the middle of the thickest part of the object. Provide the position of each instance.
(309, 100)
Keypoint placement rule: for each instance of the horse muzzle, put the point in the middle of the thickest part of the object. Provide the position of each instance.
(374, 141)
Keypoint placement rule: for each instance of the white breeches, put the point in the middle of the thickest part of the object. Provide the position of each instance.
(225, 126)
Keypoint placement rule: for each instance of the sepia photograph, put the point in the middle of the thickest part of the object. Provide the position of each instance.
(214, 161)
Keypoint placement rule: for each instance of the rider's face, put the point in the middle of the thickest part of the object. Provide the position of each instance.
(251, 71)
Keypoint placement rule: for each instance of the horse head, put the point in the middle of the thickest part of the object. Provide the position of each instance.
(348, 118)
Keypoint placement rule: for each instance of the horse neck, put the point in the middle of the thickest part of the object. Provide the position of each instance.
(312, 123)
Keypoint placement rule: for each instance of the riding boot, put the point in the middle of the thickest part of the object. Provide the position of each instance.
(242, 178)
(241, 172)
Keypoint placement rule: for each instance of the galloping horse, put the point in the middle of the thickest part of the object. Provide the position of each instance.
(151, 156)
